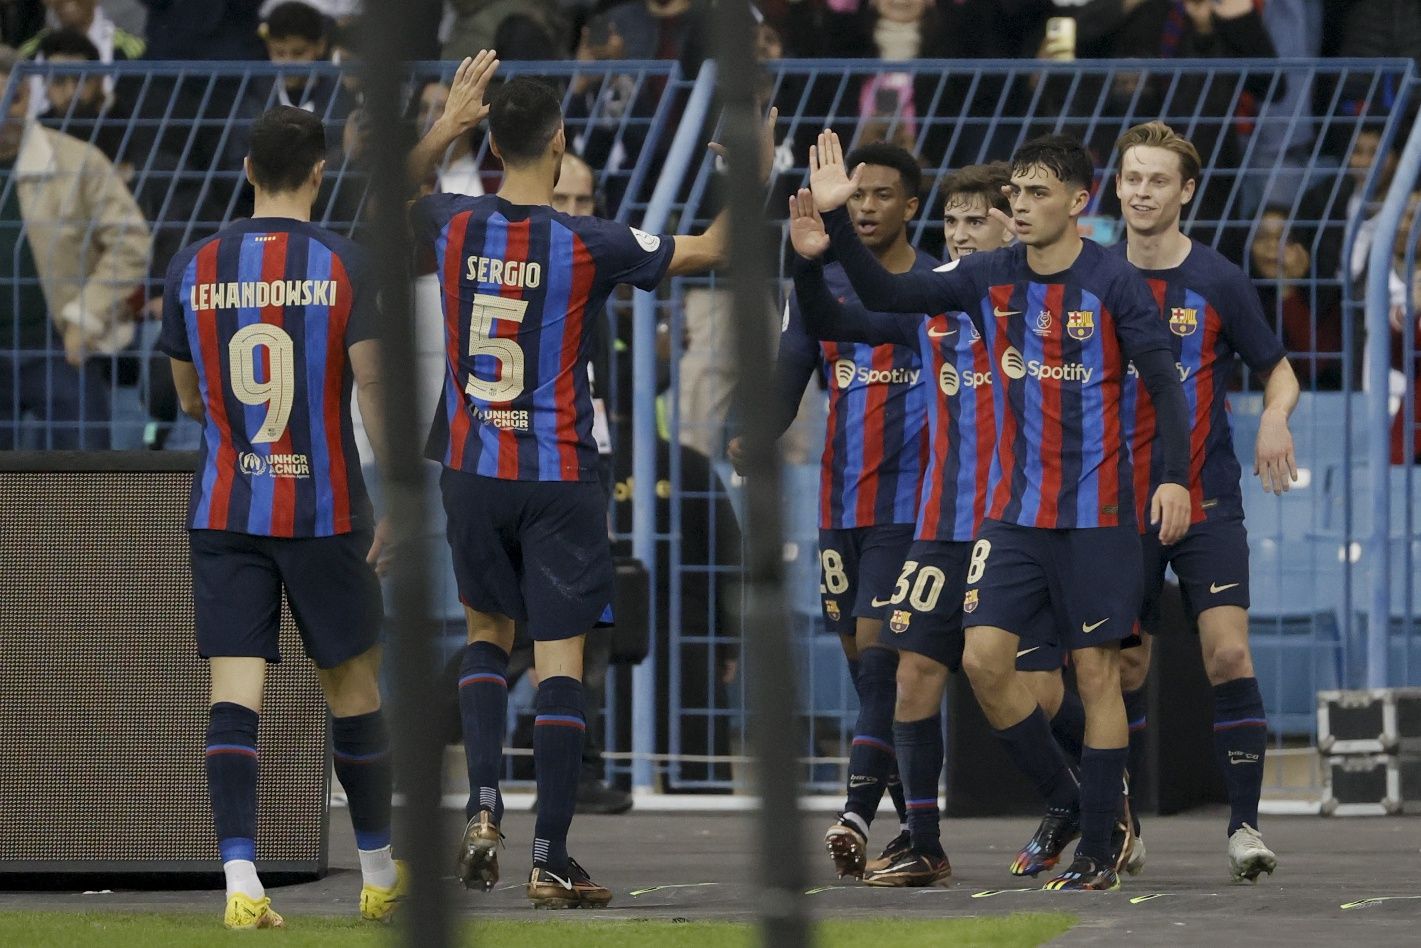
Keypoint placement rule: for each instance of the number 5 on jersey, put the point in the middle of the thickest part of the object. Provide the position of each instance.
(506, 352)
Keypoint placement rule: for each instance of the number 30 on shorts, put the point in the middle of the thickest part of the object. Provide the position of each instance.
(923, 593)
(977, 565)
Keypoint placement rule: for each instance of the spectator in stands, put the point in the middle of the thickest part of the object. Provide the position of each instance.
(203, 29)
(1309, 319)
(532, 29)
(1338, 199)
(296, 34)
(658, 29)
(79, 107)
(1383, 28)
(1398, 361)
(20, 20)
(76, 249)
(88, 17)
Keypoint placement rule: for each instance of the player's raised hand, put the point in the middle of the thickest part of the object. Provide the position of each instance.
(1273, 458)
(1005, 220)
(829, 179)
(465, 107)
(806, 228)
(767, 146)
(1170, 509)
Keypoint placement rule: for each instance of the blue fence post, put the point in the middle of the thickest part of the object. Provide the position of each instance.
(1378, 414)
(658, 212)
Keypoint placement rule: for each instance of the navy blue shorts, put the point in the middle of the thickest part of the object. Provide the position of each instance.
(1211, 563)
(1073, 588)
(857, 568)
(238, 578)
(533, 551)
(926, 614)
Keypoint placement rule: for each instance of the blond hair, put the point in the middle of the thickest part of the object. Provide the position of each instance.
(1160, 135)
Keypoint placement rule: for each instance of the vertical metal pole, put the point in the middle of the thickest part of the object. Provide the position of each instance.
(1378, 417)
(769, 666)
(418, 747)
(643, 355)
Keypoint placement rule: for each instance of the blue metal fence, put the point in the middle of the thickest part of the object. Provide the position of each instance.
(1333, 561)
(1278, 142)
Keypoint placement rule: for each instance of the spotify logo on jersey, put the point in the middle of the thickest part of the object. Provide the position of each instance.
(947, 379)
(844, 371)
(1013, 364)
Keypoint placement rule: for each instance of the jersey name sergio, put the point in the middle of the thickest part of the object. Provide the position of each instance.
(525, 274)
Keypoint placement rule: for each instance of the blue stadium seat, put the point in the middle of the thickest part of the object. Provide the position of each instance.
(1403, 649)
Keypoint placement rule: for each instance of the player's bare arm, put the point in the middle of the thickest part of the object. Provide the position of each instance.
(1273, 458)
(705, 251)
(369, 392)
(189, 393)
(464, 110)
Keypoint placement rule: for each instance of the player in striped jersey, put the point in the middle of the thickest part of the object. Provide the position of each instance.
(522, 287)
(872, 466)
(1213, 314)
(267, 323)
(1061, 317)
(926, 607)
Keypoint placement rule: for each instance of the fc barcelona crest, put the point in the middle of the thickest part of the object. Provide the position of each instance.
(969, 601)
(1183, 321)
(898, 621)
(1080, 324)
(831, 609)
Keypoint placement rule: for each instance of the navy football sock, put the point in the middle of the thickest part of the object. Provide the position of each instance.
(871, 756)
(895, 791)
(1102, 784)
(231, 757)
(361, 748)
(1240, 738)
(919, 746)
(558, 730)
(1036, 753)
(1068, 725)
(1135, 712)
(483, 706)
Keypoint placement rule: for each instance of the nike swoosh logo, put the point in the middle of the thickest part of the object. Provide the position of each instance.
(1027, 651)
(902, 865)
(1216, 588)
(565, 883)
(879, 605)
(938, 335)
(1088, 629)
(1000, 313)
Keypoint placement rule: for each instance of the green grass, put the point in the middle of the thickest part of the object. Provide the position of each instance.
(44, 929)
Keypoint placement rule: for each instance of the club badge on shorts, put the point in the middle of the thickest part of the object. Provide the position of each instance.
(831, 609)
(969, 601)
(1183, 320)
(1080, 323)
(898, 621)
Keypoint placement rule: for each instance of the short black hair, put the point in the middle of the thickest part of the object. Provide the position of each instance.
(524, 115)
(287, 142)
(68, 43)
(887, 155)
(296, 19)
(1062, 155)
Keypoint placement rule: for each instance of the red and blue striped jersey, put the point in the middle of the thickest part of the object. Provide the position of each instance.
(961, 417)
(265, 310)
(1213, 313)
(1060, 344)
(875, 443)
(521, 288)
